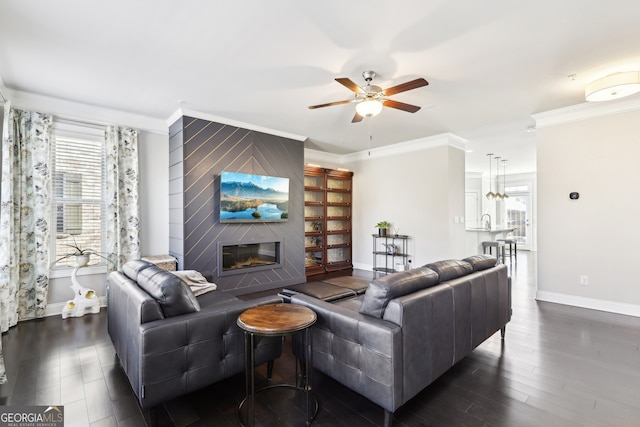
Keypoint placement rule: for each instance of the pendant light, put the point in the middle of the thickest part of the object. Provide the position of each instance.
(504, 179)
(490, 195)
(498, 195)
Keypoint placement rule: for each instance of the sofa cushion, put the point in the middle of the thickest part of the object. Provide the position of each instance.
(386, 288)
(481, 262)
(173, 295)
(320, 290)
(450, 269)
(132, 268)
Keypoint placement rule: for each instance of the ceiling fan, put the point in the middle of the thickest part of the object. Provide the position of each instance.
(370, 99)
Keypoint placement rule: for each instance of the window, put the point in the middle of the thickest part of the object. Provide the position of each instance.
(78, 180)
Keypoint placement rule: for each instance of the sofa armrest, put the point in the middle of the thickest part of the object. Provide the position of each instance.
(128, 307)
(184, 353)
(428, 330)
(362, 352)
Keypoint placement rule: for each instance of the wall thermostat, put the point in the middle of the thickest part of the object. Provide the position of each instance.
(574, 195)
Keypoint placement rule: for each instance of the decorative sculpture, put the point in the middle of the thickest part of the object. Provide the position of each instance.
(391, 248)
(85, 300)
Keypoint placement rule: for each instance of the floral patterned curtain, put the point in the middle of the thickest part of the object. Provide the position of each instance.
(24, 217)
(123, 211)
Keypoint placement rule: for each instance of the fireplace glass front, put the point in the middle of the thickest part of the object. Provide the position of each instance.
(239, 258)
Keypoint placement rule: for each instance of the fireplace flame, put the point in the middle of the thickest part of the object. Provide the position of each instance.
(251, 261)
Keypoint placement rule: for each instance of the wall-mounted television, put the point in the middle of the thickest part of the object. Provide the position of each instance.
(253, 198)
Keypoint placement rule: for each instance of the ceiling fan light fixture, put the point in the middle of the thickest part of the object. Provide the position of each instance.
(613, 86)
(369, 108)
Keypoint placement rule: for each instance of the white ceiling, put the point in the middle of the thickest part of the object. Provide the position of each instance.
(490, 64)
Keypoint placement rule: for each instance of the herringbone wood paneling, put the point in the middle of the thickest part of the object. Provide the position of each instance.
(208, 148)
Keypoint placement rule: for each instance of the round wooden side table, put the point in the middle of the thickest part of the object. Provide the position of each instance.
(276, 320)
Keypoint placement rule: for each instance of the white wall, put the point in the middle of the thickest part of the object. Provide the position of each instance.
(419, 191)
(154, 193)
(597, 235)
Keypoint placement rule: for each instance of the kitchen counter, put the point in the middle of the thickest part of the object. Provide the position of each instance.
(496, 230)
(475, 237)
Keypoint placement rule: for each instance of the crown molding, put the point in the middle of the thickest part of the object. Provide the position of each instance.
(213, 118)
(419, 144)
(323, 156)
(585, 111)
(79, 112)
(444, 139)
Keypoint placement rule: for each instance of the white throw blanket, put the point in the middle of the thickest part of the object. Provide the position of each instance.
(196, 281)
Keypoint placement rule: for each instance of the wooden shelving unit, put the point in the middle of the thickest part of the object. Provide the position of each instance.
(327, 211)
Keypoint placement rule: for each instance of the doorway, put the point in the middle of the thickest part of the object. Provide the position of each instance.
(518, 212)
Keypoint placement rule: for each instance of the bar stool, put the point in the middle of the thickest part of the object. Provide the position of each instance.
(512, 249)
(494, 244)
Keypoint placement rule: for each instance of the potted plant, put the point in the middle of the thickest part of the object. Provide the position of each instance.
(82, 255)
(382, 227)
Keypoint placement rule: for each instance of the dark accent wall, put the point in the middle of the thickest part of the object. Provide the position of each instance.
(199, 151)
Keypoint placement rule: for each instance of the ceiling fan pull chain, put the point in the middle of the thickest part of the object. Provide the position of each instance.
(370, 135)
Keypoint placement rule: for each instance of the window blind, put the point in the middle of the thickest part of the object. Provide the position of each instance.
(78, 195)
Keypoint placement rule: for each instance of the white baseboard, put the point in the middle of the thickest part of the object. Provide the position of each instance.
(56, 309)
(590, 303)
(359, 266)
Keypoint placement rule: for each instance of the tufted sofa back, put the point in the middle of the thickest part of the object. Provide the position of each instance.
(169, 347)
(423, 322)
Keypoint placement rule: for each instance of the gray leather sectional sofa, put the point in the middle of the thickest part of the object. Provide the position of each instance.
(170, 342)
(409, 327)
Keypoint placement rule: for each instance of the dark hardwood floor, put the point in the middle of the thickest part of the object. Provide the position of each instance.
(558, 366)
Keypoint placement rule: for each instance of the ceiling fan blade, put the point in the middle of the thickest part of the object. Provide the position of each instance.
(400, 106)
(357, 118)
(413, 84)
(349, 84)
(346, 101)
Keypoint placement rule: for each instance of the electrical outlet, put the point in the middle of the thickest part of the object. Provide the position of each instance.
(584, 280)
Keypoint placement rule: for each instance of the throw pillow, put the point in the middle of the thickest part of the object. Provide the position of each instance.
(196, 281)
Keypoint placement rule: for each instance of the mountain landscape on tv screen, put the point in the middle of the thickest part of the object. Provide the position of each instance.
(243, 201)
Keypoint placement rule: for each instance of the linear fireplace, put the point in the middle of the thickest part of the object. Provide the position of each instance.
(240, 258)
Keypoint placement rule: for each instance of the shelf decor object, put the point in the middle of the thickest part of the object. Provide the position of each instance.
(382, 227)
(390, 253)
